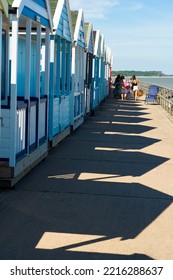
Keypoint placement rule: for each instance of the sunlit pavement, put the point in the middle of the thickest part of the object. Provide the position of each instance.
(105, 192)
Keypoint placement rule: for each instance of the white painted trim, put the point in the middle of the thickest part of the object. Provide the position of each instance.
(52, 45)
(16, 3)
(96, 43)
(100, 67)
(13, 52)
(93, 68)
(80, 17)
(57, 14)
(73, 60)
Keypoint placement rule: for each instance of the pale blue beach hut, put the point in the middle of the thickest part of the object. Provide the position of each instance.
(78, 68)
(24, 110)
(60, 72)
(89, 48)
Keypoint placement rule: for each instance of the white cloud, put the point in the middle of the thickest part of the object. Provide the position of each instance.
(97, 9)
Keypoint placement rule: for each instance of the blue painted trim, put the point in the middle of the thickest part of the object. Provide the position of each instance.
(44, 100)
(41, 3)
(58, 41)
(63, 65)
(21, 154)
(32, 147)
(3, 66)
(81, 44)
(42, 140)
(32, 15)
(5, 106)
(51, 95)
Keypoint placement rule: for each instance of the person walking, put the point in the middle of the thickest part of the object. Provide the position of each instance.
(118, 86)
(125, 88)
(135, 86)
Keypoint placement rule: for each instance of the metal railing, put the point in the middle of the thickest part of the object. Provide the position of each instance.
(164, 96)
(165, 99)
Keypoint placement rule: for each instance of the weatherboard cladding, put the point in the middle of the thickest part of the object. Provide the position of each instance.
(81, 35)
(40, 3)
(32, 13)
(63, 29)
(64, 25)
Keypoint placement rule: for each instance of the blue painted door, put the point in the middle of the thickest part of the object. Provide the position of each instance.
(3, 69)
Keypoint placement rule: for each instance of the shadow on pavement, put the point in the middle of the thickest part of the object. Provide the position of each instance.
(74, 201)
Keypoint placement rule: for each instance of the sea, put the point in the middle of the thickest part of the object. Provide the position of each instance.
(166, 81)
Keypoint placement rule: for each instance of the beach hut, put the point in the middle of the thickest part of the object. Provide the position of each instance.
(24, 110)
(60, 72)
(96, 93)
(88, 27)
(78, 68)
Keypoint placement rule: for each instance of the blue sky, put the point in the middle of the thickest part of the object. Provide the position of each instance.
(139, 33)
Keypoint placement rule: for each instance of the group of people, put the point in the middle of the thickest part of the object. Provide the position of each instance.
(123, 88)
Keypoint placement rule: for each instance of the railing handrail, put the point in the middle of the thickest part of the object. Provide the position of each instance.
(164, 96)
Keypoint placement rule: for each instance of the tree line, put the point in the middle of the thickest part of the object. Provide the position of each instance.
(138, 73)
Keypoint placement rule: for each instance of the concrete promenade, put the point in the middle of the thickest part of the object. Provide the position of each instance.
(105, 192)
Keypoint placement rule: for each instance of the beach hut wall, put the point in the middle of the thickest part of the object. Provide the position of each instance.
(60, 72)
(78, 68)
(24, 105)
